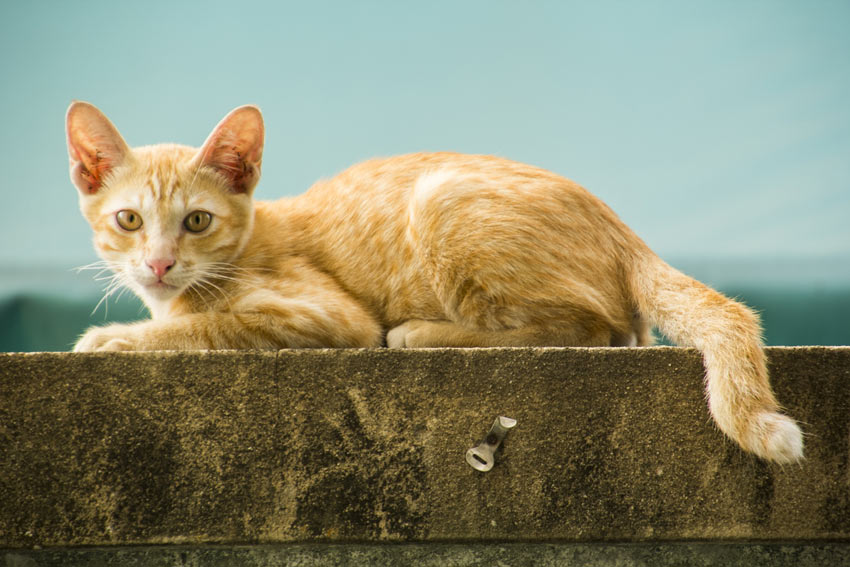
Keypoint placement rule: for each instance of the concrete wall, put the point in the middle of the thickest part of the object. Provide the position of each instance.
(367, 447)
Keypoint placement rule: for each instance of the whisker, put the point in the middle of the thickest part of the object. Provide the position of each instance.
(202, 284)
(238, 269)
(117, 281)
(99, 265)
(210, 278)
(110, 289)
(247, 280)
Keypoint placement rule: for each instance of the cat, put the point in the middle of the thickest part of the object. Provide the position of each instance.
(421, 250)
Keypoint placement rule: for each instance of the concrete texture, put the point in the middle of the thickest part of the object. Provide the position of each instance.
(367, 446)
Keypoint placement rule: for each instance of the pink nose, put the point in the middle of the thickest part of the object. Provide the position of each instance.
(160, 266)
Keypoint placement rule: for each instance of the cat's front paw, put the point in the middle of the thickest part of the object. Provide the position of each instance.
(105, 339)
(409, 334)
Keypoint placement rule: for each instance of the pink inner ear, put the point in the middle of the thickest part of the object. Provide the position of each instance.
(83, 179)
(235, 149)
(93, 164)
(234, 165)
(94, 146)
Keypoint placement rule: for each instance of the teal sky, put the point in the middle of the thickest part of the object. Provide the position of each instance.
(716, 129)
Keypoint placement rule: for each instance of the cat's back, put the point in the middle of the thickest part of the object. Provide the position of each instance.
(391, 177)
(391, 193)
(378, 206)
(385, 187)
(400, 174)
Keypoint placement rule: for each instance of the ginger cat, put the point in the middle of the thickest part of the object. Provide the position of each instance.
(438, 249)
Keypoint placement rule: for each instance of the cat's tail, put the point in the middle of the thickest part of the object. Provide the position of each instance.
(728, 335)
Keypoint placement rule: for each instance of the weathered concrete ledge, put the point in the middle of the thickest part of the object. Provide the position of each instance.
(335, 446)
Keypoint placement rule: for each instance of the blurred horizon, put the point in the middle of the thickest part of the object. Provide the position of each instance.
(76, 280)
(800, 303)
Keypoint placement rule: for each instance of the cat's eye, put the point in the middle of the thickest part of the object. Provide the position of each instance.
(197, 221)
(128, 220)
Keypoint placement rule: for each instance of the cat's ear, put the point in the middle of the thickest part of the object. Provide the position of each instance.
(235, 148)
(94, 146)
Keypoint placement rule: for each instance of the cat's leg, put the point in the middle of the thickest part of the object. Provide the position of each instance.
(504, 268)
(270, 323)
(418, 333)
(297, 307)
(641, 333)
(476, 316)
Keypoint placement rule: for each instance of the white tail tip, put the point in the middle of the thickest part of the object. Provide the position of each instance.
(779, 438)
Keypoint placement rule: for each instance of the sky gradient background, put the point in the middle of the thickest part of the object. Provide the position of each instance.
(715, 129)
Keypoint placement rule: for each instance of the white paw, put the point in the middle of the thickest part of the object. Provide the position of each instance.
(109, 338)
(406, 334)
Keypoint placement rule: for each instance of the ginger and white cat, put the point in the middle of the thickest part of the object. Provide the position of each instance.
(422, 250)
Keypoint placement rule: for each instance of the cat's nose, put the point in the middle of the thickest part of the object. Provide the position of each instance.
(160, 266)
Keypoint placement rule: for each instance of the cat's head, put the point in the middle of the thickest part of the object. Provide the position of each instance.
(166, 217)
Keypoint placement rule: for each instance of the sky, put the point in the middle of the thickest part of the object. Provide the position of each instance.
(715, 129)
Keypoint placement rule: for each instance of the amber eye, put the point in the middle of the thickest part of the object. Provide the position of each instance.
(128, 220)
(197, 221)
